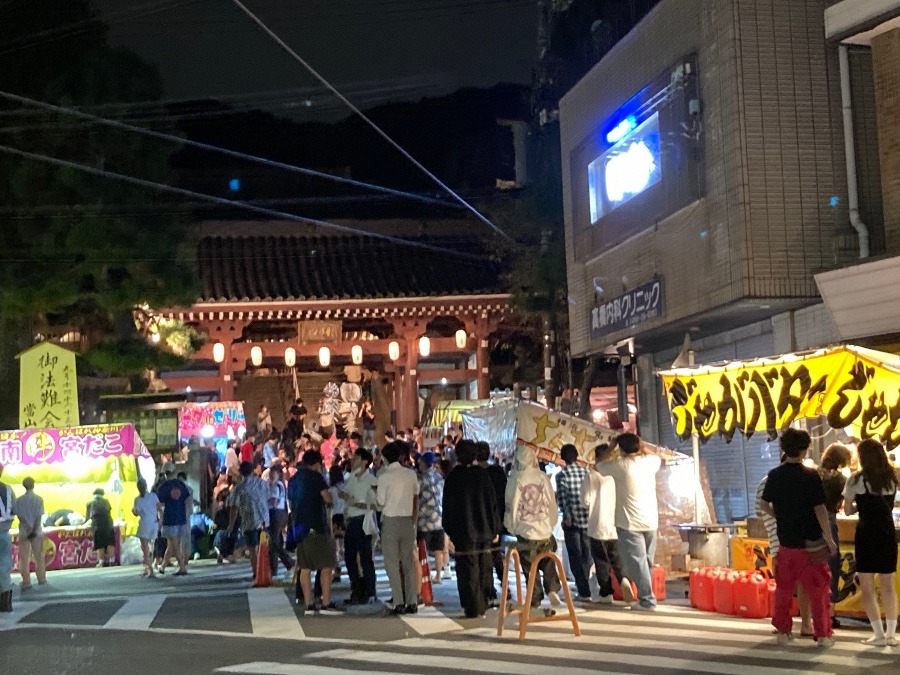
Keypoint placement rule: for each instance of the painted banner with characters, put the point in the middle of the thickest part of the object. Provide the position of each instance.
(67, 548)
(219, 419)
(546, 431)
(850, 386)
(38, 447)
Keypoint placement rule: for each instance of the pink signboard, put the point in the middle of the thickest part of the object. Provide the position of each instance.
(34, 447)
(219, 419)
(67, 548)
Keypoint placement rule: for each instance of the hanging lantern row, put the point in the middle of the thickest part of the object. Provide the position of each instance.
(356, 352)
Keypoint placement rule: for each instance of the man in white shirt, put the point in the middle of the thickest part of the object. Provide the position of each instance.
(30, 510)
(637, 512)
(359, 495)
(398, 497)
(598, 494)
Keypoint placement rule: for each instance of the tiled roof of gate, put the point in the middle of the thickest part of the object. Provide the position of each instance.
(337, 267)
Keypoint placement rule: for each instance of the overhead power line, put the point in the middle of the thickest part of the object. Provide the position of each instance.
(281, 43)
(223, 151)
(161, 187)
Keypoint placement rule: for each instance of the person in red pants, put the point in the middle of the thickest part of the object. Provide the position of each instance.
(795, 497)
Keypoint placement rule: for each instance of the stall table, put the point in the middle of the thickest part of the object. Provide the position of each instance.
(68, 547)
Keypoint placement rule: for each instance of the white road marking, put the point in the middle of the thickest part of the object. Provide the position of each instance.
(269, 668)
(137, 613)
(272, 615)
(430, 621)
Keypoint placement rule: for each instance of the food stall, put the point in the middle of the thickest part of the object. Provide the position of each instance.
(217, 421)
(508, 424)
(853, 389)
(67, 465)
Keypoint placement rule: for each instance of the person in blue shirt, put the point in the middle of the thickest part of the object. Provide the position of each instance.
(174, 496)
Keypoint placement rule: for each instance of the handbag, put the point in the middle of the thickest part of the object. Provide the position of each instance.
(370, 524)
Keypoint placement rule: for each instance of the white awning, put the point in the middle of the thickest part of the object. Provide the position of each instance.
(858, 21)
(863, 300)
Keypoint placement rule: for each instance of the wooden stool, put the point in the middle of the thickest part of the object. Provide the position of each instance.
(524, 604)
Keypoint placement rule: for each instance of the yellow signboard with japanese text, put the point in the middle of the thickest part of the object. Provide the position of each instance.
(48, 388)
(851, 386)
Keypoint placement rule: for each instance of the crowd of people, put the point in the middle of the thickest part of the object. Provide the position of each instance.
(321, 505)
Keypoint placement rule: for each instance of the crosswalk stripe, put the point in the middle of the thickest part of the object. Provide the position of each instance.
(137, 613)
(554, 631)
(373, 658)
(425, 653)
(272, 615)
(269, 668)
(800, 653)
(430, 621)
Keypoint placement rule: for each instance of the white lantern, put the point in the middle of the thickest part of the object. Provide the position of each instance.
(356, 354)
(462, 338)
(324, 357)
(256, 356)
(424, 346)
(394, 350)
(290, 357)
(218, 352)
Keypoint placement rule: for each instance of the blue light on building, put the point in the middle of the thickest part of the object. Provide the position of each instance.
(234, 184)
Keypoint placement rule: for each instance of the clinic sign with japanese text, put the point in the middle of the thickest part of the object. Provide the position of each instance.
(48, 388)
(849, 386)
(638, 305)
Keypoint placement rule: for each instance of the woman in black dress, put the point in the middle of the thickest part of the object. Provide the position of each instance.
(99, 512)
(870, 493)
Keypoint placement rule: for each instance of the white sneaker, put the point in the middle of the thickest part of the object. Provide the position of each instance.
(784, 639)
(876, 642)
(638, 607)
(553, 596)
(627, 591)
(825, 642)
(605, 600)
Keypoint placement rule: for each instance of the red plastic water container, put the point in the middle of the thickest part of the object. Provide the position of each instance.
(658, 582)
(694, 584)
(795, 605)
(723, 592)
(704, 598)
(751, 597)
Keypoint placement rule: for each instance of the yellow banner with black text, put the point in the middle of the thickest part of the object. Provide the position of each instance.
(851, 386)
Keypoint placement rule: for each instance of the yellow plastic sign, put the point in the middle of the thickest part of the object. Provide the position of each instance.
(48, 388)
(850, 386)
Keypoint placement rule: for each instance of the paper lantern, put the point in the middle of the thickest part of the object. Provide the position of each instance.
(218, 352)
(424, 346)
(356, 354)
(290, 357)
(462, 338)
(256, 356)
(394, 350)
(324, 357)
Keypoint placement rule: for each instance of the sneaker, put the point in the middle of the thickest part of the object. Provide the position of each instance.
(553, 596)
(329, 610)
(627, 591)
(605, 600)
(412, 609)
(876, 642)
(638, 607)
(310, 609)
(825, 642)
(586, 599)
(288, 575)
(399, 609)
(784, 639)
(493, 603)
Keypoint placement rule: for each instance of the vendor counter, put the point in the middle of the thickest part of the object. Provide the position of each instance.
(753, 554)
(68, 547)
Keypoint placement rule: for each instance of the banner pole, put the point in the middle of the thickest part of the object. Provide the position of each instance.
(695, 444)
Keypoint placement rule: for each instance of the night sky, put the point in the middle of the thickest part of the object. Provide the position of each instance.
(376, 50)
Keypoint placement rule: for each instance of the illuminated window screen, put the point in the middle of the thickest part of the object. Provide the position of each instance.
(625, 170)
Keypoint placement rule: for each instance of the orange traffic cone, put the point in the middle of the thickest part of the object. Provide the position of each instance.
(427, 591)
(262, 572)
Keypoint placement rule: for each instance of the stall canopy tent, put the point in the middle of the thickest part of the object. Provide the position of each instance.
(854, 388)
(67, 465)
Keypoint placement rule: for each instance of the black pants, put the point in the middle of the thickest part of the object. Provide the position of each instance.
(474, 576)
(362, 573)
(606, 557)
(528, 551)
(578, 547)
(497, 564)
(277, 520)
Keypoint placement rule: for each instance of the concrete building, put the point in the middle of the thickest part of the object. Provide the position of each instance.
(706, 185)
